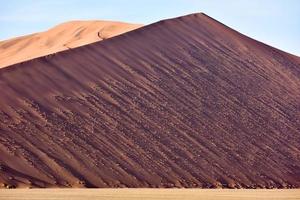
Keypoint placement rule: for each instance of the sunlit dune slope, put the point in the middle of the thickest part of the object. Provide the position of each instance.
(62, 37)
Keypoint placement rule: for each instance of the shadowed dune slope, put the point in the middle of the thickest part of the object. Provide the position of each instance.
(186, 102)
(62, 37)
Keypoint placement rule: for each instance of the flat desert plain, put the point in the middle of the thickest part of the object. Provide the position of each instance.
(149, 194)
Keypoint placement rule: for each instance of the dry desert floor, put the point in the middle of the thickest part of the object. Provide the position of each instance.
(147, 194)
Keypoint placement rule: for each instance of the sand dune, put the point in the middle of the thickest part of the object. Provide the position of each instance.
(186, 102)
(62, 37)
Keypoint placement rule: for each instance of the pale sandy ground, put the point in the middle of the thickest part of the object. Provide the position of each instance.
(148, 194)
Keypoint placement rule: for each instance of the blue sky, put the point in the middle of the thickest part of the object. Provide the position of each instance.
(275, 22)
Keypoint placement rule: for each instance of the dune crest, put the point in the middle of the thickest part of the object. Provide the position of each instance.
(62, 37)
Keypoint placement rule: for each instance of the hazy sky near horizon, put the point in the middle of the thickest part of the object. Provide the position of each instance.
(275, 22)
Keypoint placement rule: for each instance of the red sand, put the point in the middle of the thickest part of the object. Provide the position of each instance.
(186, 102)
